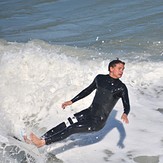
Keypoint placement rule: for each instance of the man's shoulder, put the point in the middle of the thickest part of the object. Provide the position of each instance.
(122, 84)
(102, 75)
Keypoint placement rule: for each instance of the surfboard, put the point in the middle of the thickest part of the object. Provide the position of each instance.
(19, 150)
(3, 139)
(15, 146)
(29, 148)
(34, 151)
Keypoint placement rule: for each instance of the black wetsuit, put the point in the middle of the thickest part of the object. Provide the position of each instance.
(108, 92)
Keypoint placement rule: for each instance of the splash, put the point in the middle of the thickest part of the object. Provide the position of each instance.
(36, 77)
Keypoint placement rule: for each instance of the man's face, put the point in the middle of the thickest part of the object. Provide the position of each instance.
(117, 71)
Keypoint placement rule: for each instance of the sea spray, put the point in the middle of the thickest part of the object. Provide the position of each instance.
(36, 77)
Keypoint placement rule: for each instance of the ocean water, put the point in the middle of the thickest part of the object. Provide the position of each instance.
(51, 50)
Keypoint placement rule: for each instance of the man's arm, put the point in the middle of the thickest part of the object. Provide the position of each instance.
(126, 105)
(82, 94)
(125, 100)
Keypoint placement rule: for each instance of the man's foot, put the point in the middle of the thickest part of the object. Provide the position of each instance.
(27, 140)
(37, 141)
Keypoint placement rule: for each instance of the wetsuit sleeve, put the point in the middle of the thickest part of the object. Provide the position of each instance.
(86, 91)
(125, 100)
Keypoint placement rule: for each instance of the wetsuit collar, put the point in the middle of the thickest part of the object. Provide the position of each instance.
(113, 78)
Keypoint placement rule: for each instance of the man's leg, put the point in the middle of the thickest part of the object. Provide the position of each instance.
(77, 127)
(81, 122)
(39, 142)
(54, 130)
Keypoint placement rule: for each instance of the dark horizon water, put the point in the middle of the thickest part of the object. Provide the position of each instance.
(106, 26)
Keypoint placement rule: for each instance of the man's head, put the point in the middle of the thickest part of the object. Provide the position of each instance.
(116, 68)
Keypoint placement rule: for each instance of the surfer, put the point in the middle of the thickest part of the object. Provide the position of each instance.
(109, 89)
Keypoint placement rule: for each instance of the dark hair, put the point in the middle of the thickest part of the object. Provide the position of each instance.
(114, 62)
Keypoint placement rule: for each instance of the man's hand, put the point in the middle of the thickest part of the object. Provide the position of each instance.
(124, 118)
(66, 104)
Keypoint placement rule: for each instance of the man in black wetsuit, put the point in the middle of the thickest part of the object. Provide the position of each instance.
(108, 91)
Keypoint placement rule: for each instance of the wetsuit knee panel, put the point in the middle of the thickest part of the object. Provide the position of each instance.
(71, 121)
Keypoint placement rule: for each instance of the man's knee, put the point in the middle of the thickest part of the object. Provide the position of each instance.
(71, 121)
(97, 127)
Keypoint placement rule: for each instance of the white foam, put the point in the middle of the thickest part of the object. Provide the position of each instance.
(37, 77)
